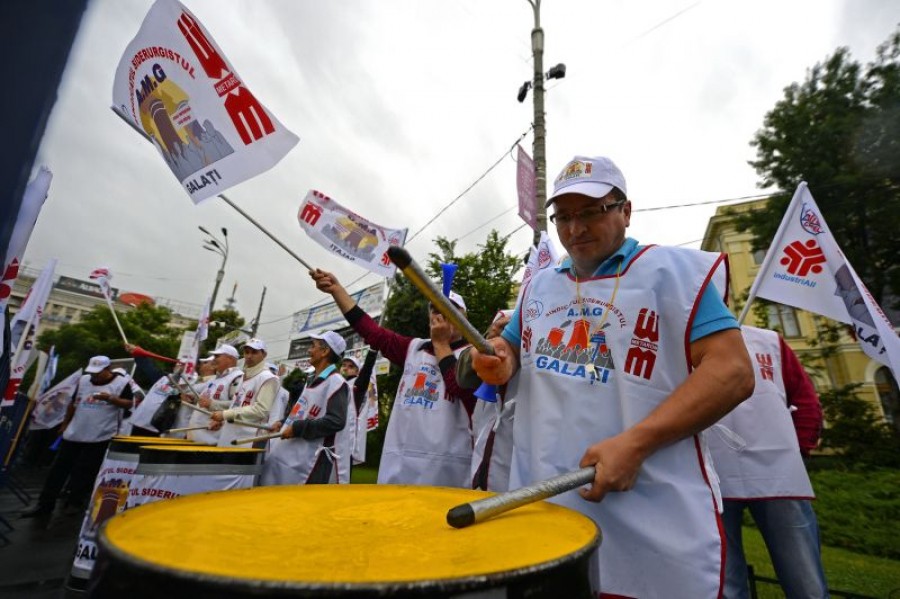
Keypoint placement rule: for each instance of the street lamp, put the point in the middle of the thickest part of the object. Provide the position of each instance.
(537, 84)
(219, 246)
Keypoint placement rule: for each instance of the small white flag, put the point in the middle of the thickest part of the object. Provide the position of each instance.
(348, 234)
(805, 268)
(102, 276)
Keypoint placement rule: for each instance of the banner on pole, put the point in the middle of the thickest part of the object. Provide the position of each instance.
(805, 268)
(32, 202)
(23, 329)
(526, 186)
(370, 299)
(51, 405)
(348, 234)
(175, 84)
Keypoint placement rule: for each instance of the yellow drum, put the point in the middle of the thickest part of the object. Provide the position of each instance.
(343, 541)
(166, 472)
(108, 499)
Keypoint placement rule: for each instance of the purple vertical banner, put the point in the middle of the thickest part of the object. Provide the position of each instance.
(527, 189)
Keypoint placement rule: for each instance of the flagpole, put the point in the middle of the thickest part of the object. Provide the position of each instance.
(115, 317)
(770, 254)
(122, 116)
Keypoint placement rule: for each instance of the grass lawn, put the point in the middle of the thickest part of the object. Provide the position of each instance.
(845, 570)
(363, 475)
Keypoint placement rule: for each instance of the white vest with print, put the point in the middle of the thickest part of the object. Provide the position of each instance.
(755, 446)
(94, 420)
(217, 389)
(662, 538)
(492, 427)
(429, 437)
(143, 414)
(290, 461)
(345, 441)
(246, 394)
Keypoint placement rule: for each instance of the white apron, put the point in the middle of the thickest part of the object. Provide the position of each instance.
(290, 461)
(216, 390)
(492, 425)
(95, 420)
(429, 437)
(246, 395)
(663, 537)
(755, 446)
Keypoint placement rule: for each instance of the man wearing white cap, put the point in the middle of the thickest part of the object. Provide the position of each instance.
(359, 410)
(625, 354)
(218, 393)
(429, 436)
(92, 419)
(308, 451)
(254, 398)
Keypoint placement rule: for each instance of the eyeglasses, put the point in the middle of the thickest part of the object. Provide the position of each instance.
(587, 215)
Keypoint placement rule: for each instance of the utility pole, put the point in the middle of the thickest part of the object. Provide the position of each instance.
(255, 326)
(539, 148)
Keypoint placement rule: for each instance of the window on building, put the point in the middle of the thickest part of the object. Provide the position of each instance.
(783, 318)
(889, 394)
(759, 256)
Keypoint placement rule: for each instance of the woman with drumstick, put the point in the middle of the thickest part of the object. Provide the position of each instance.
(306, 452)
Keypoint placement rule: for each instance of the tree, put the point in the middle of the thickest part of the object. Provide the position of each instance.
(840, 132)
(96, 334)
(226, 320)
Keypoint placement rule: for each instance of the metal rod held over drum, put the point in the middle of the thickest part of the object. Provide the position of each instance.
(185, 429)
(249, 424)
(473, 512)
(401, 258)
(255, 439)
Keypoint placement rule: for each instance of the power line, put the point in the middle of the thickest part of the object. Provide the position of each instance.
(467, 189)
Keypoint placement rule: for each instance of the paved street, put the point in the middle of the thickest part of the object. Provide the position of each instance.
(35, 557)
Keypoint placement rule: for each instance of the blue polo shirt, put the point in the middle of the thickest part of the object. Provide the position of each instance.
(712, 315)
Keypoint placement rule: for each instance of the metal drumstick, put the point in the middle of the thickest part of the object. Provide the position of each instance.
(473, 512)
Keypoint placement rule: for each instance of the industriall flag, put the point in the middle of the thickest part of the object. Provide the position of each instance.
(175, 84)
(349, 235)
(805, 268)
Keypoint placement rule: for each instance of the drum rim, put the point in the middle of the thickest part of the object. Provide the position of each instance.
(455, 584)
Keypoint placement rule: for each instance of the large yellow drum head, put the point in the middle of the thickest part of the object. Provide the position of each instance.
(329, 540)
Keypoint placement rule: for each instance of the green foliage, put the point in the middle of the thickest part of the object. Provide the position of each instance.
(855, 431)
(839, 131)
(96, 334)
(227, 321)
(858, 509)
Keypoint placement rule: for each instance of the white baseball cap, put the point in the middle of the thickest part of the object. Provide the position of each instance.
(353, 359)
(457, 300)
(593, 177)
(256, 343)
(227, 350)
(332, 340)
(97, 364)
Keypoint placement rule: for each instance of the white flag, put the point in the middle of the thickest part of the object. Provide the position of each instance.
(50, 408)
(23, 329)
(349, 235)
(203, 325)
(545, 255)
(32, 201)
(805, 268)
(175, 84)
(102, 275)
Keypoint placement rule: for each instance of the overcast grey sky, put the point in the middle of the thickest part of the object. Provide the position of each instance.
(400, 105)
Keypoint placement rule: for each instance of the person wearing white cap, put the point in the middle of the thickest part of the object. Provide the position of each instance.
(279, 406)
(429, 436)
(625, 354)
(308, 451)
(254, 398)
(364, 404)
(92, 419)
(217, 393)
